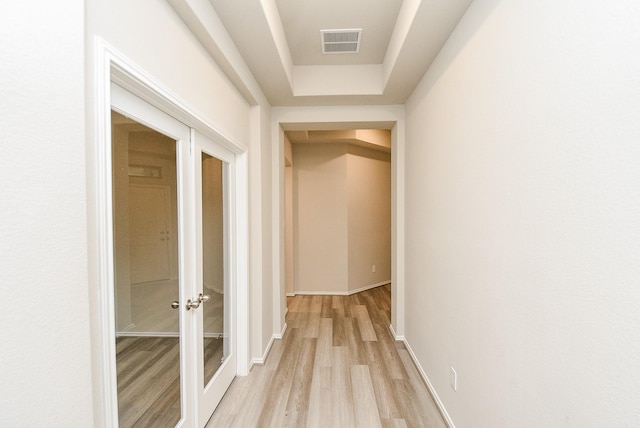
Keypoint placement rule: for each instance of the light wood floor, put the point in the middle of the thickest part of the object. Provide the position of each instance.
(149, 379)
(337, 366)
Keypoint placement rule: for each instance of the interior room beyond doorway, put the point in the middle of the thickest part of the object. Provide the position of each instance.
(337, 210)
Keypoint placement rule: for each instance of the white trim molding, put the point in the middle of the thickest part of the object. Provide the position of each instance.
(333, 118)
(111, 66)
(338, 293)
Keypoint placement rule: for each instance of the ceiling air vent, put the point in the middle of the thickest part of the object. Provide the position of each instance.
(341, 41)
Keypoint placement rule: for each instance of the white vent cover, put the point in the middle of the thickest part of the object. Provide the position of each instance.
(341, 41)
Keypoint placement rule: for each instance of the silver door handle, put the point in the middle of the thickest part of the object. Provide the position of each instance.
(195, 304)
(175, 304)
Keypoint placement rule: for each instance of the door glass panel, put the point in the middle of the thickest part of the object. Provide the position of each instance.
(146, 275)
(213, 265)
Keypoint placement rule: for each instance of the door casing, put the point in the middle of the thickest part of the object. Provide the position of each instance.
(110, 66)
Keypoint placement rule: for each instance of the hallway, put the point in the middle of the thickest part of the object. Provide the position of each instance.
(337, 366)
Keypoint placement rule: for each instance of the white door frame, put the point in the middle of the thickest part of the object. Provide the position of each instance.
(341, 117)
(113, 67)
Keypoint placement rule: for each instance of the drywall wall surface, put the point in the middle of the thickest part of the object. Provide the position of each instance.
(320, 217)
(288, 229)
(45, 353)
(151, 35)
(522, 210)
(270, 293)
(342, 217)
(369, 217)
(288, 217)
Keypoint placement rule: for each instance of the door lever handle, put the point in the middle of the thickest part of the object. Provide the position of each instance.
(202, 297)
(195, 304)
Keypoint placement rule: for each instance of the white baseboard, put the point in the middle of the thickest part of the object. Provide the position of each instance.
(369, 287)
(290, 294)
(281, 334)
(261, 361)
(425, 378)
(147, 334)
(161, 334)
(339, 293)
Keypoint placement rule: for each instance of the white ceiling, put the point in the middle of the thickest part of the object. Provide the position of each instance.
(280, 42)
(302, 27)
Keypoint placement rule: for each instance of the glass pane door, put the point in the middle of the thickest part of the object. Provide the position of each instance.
(216, 362)
(147, 276)
(213, 265)
(173, 282)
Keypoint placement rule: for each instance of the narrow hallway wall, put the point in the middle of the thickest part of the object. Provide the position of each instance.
(522, 216)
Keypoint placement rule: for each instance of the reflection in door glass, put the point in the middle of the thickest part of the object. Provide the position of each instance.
(213, 265)
(146, 275)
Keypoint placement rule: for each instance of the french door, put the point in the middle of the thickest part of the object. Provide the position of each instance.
(174, 329)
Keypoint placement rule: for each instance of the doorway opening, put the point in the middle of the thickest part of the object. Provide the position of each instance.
(167, 185)
(337, 192)
(341, 118)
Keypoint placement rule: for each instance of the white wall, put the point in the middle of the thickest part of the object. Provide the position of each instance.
(45, 354)
(522, 211)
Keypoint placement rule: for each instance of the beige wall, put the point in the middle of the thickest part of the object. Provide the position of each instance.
(288, 218)
(120, 138)
(368, 216)
(320, 218)
(212, 225)
(135, 146)
(341, 212)
(523, 238)
(154, 149)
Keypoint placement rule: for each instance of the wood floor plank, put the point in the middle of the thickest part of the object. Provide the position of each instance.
(325, 312)
(339, 337)
(312, 324)
(148, 381)
(320, 414)
(274, 408)
(354, 341)
(298, 398)
(343, 414)
(294, 302)
(382, 382)
(364, 323)
(324, 343)
(365, 408)
(316, 304)
(394, 423)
